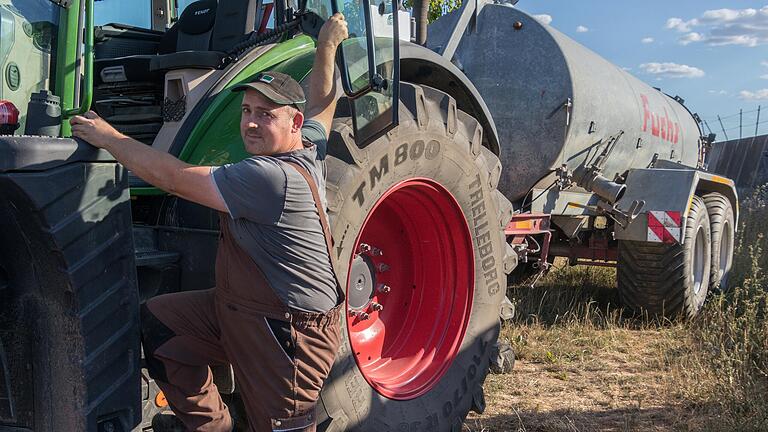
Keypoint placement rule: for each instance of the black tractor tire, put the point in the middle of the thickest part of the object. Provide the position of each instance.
(437, 141)
(68, 300)
(723, 228)
(658, 280)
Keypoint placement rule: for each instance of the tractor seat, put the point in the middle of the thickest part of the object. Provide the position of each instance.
(189, 43)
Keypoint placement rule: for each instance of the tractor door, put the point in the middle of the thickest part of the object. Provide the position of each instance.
(369, 62)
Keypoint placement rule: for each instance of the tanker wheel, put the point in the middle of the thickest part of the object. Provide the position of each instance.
(417, 225)
(723, 227)
(668, 280)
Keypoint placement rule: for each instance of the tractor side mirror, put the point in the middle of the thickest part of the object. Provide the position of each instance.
(369, 63)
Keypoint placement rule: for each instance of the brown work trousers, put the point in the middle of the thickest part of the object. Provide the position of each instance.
(280, 356)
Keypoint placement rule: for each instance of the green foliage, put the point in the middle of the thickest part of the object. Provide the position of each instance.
(437, 8)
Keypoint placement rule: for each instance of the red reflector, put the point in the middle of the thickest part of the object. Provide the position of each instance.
(9, 117)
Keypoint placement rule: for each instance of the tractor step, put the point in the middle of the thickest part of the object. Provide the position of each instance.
(147, 258)
(148, 254)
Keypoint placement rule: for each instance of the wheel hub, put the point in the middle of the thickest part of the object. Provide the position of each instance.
(362, 279)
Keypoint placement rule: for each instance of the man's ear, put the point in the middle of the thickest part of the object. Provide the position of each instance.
(298, 121)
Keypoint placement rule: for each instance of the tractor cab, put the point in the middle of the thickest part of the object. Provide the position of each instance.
(155, 61)
(145, 65)
(146, 77)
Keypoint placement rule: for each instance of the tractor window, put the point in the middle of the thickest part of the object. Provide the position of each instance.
(183, 5)
(28, 31)
(137, 13)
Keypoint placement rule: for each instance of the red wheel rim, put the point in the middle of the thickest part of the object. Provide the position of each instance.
(410, 288)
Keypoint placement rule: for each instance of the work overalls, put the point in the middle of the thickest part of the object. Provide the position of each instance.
(280, 356)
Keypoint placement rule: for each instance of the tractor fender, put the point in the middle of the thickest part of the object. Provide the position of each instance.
(669, 190)
(420, 65)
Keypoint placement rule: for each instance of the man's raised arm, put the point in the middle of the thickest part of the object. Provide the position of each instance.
(321, 103)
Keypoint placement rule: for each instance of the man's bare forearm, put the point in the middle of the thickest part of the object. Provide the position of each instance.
(155, 167)
(322, 88)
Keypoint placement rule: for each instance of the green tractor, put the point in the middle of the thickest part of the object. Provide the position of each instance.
(411, 171)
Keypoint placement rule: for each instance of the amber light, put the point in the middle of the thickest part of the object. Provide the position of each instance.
(527, 225)
(160, 400)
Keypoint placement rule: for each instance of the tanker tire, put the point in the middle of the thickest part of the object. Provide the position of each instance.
(722, 226)
(658, 279)
(460, 163)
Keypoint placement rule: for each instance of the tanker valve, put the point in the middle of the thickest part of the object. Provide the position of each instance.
(621, 217)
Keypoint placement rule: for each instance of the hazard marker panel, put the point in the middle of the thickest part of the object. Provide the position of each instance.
(664, 226)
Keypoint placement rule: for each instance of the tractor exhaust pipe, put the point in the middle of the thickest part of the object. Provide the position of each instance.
(421, 13)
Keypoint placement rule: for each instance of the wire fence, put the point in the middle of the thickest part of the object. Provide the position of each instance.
(740, 125)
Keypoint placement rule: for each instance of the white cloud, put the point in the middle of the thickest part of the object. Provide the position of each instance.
(681, 25)
(544, 18)
(581, 29)
(720, 92)
(764, 63)
(765, 77)
(690, 37)
(671, 70)
(646, 40)
(761, 94)
(747, 27)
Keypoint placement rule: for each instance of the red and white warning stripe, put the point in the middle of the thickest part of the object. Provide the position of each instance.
(664, 226)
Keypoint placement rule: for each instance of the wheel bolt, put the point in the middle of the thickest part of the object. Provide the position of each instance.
(364, 316)
(364, 248)
(376, 251)
(383, 288)
(382, 267)
(353, 313)
(377, 306)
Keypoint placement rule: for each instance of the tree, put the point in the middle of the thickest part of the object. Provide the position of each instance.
(437, 8)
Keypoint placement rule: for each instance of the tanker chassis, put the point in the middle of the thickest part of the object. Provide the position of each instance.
(476, 154)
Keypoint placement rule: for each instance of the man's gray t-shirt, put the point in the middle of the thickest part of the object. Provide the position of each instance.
(274, 219)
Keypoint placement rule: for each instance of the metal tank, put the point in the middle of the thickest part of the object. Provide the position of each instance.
(557, 103)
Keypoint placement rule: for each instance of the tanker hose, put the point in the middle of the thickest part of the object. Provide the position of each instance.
(256, 39)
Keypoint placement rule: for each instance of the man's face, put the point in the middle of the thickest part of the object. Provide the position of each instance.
(268, 128)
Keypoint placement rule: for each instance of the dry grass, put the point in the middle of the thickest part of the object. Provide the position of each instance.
(584, 365)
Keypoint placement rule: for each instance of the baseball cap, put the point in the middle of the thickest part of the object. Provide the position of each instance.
(277, 87)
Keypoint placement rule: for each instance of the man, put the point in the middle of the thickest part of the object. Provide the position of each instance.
(274, 314)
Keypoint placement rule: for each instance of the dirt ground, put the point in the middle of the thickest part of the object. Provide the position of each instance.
(611, 380)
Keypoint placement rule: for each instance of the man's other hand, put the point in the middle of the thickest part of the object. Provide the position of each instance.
(333, 31)
(92, 128)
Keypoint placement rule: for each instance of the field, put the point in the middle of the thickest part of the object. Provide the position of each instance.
(584, 364)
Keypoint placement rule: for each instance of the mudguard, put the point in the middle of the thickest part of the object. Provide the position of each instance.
(667, 191)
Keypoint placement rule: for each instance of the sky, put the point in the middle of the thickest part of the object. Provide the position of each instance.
(714, 54)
